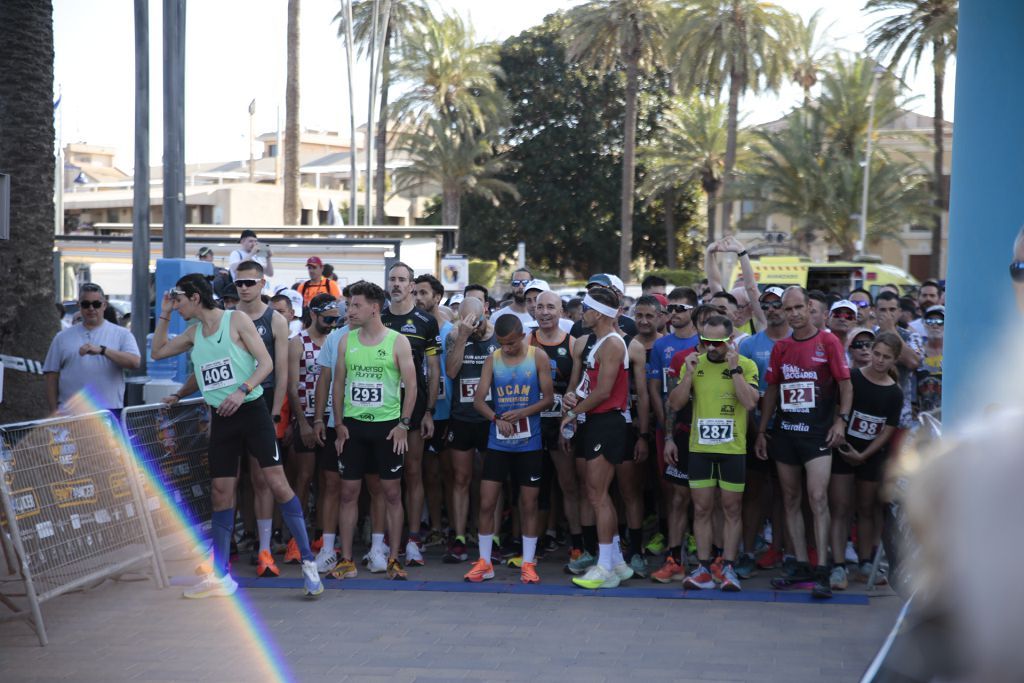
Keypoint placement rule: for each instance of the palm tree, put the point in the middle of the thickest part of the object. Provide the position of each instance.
(916, 27)
(292, 129)
(808, 45)
(27, 317)
(690, 147)
(451, 76)
(742, 42)
(604, 34)
(404, 17)
(458, 159)
(844, 103)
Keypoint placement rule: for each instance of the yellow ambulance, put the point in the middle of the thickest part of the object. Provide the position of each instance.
(836, 276)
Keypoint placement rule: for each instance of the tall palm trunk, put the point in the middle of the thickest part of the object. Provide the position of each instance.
(451, 199)
(939, 74)
(28, 320)
(382, 130)
(292, 209)
(669, 202)
(629, 165)
(736, 81)
(712, 214)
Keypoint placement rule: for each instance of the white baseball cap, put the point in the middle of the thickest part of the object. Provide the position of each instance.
(844, 303)
(295, 297)
(540, 285)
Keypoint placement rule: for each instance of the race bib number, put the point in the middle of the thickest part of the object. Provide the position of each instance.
(442, 389)
(583, 390)
(367, 394)
(467, 390)
(712, 432)
(866, 427)
(522, 431)
(217, 374)
(556, 408)
(797, 396)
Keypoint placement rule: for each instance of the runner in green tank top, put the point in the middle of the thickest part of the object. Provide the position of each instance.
(372, 418)
(231, 360)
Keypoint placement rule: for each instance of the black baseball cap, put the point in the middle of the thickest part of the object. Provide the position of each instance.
(247, 233)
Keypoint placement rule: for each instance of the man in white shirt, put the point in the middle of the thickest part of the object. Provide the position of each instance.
(250, 249)
(520, 279)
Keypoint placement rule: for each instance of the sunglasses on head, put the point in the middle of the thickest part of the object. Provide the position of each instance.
(714, 343)
(246, 283)
(861, 344)
(771, 305)
(678, 308)
(520, 283)
(844, 315)
(90, 304)
(1017, 271)
(934, 321)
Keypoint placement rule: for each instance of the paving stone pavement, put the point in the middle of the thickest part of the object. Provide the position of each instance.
(128, 630)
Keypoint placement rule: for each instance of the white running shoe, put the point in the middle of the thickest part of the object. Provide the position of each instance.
(851, 554)
(413, 556)
(212, 587)
(311, 582)
(597, 577)
(623, 571)
(326, 560)
(376, 562)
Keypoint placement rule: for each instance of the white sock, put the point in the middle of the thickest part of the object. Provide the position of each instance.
(604, 556)
(529, 548)
(329, 542)
(377, 543)
(617, 557)
(263, 527)
(486, 540)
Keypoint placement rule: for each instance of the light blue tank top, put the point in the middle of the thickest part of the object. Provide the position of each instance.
(514, 387)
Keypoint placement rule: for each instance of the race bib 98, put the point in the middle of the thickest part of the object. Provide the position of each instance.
(217, 374)
(797, 396)
(712, 432)
(866, 427)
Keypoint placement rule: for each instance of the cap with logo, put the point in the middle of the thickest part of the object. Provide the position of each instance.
(314, 261)
(844, 303)
(539, 285)
(776, 291)
(455, 299)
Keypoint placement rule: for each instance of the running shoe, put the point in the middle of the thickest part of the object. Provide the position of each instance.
(435, 537)
(639, 566)
(413, 556)
(838, 579)
(311, 579)
(699, 579)
(481, 570)
(376, 562)
(623, 571)
(326, 560)
(864, 573)
(395, 570)
(716, 569)
(581, 564)
(548, 544)
(529, 573)
(515, 562)
(770, 559)
(317, 544)
(730, 582)
(851, 555)
(212, 587)
(597, 577)
(669, 572)
(277, 544)
(822, 589)
(656, 545)
(292, 554)
(789, 566)
(265, 567)
(456, 553)
(746, 567)
(346, 569)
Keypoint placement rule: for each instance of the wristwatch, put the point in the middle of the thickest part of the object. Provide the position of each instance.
(845, 417)
(103, 350)
(404, 423)
(736, 371)
(571, 414)
(741, 254)
(244, 388)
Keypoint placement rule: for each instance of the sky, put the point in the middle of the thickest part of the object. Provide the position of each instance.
(235, 52)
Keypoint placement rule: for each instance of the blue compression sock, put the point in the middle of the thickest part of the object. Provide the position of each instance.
(223, 521)
(292, 514)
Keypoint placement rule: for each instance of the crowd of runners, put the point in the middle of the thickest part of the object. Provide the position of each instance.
(691, 435)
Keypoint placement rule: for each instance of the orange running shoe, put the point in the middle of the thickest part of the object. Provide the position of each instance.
(717, 569)
(265, 566)
(669, 572)
(770, 559)
(482, 571)
(292, 554)
(529, 573)
(317, 544)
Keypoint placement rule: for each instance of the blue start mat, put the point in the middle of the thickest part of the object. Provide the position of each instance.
(794, 596)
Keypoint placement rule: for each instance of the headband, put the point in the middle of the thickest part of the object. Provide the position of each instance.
(600, 307)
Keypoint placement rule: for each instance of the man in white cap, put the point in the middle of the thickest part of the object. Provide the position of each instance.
(534, 290)
(842, 317)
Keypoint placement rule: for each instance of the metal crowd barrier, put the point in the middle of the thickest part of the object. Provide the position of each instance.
(170, 443)
(73, 512)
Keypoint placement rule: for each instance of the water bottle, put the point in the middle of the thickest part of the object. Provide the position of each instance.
(165, 368)
(569, 430)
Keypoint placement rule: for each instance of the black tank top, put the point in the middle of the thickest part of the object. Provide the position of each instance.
(265, 329)
(464, 385)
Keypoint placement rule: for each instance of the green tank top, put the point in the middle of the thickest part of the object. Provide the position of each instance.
(372, 380)
(221, 365)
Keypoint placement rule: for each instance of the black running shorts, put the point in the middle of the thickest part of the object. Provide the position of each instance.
(368, 451)
(790, 449)
(248, 431)
(468, 436)
(527, 468)
(603, 434)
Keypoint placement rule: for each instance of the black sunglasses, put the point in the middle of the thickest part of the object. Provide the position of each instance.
(934, 321)
(246, 283)
(678, 308)
(861, 345)
(1017, 271)
(90, 304)
(329, 319)
(771, 305)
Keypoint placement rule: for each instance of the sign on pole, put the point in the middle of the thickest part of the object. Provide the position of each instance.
(454, 272)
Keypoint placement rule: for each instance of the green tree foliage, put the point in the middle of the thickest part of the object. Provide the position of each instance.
(565, 140)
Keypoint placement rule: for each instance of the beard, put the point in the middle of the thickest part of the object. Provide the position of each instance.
(520, 299)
